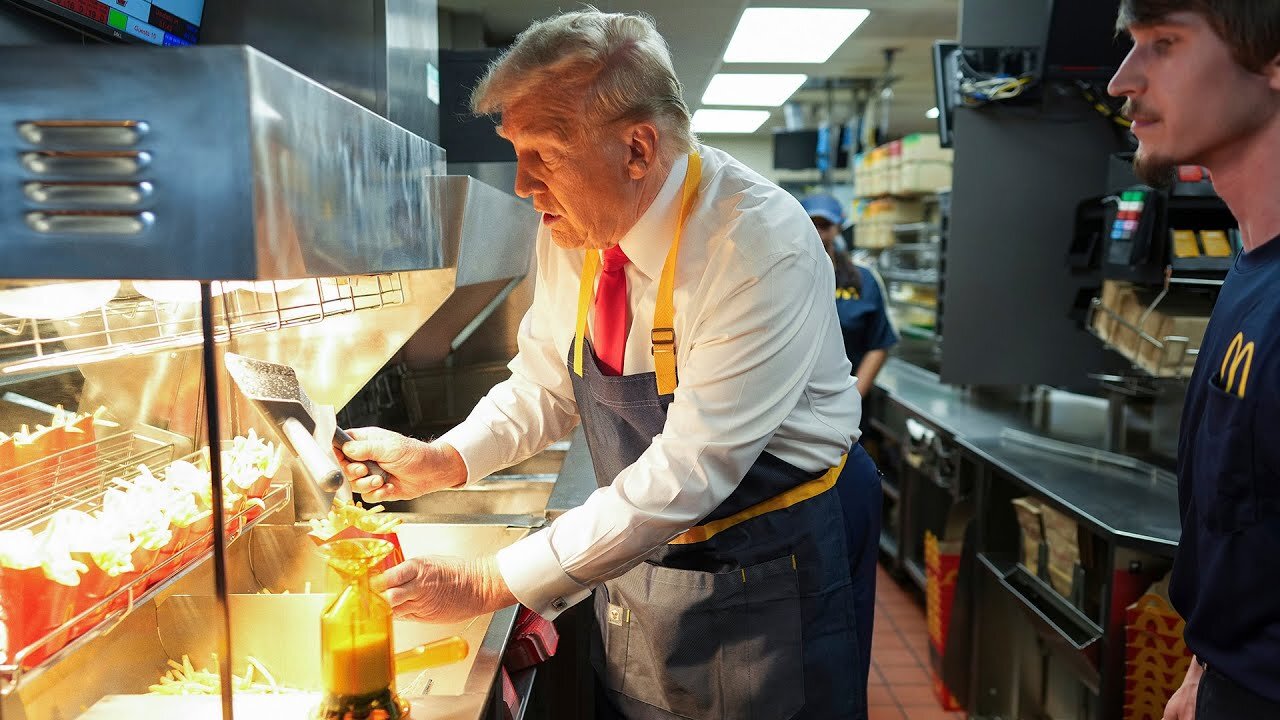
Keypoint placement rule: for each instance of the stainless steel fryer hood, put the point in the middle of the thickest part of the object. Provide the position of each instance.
(220, 163)
(203, 163)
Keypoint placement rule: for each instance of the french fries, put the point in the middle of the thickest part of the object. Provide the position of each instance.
(343, 515)
(184, 679)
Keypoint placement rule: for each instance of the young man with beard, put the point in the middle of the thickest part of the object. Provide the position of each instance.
(1202, 84)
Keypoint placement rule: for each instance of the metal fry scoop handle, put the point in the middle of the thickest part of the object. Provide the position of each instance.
(274, 390)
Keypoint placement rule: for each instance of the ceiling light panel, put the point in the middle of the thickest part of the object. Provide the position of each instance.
(751, 90)
(728, 121)
(791, 35)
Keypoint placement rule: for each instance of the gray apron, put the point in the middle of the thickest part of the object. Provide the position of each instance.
(754, 623)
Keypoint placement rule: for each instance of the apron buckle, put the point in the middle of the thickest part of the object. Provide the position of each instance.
(663, 339)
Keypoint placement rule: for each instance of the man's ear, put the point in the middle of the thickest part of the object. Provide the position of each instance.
(642, 149)
(1272, 71)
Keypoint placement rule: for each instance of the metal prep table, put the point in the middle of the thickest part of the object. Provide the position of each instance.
(1062, 657)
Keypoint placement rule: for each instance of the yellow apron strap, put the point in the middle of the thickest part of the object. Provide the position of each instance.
(663, 335)
(590, 263)
(797, 494)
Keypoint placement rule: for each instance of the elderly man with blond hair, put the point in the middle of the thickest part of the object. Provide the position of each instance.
(682, 314)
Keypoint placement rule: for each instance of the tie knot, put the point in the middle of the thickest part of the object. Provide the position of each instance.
(615, 259)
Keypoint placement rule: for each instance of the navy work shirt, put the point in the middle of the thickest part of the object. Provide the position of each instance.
(863, 320)
(1226, 578)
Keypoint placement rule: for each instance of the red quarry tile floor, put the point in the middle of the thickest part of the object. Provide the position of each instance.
(900, 679)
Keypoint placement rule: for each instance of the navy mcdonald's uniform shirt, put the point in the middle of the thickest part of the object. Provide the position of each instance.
(1226, 577)
(863, 320)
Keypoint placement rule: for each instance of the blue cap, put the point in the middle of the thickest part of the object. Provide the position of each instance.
(825, 207)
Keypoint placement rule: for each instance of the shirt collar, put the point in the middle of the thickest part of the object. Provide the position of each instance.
(647, 242)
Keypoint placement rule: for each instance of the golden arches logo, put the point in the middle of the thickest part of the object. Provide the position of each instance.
(1238, 359)
(848, 294)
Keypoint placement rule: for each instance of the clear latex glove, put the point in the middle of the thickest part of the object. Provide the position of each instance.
(414, 467)
(445, 589)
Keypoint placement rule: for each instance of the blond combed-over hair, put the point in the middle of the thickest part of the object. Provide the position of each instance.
(592, 68)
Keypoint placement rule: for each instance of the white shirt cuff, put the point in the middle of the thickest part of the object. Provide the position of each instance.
(534, 575)
(480, 449)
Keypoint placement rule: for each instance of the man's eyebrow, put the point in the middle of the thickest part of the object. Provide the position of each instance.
(538, 131)
(1167, 21)
(548, 130)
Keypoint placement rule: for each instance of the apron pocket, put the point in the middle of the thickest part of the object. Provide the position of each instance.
(709, 645)
(614, 622)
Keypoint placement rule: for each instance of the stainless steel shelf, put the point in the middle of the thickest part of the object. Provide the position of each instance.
(917, 247)
(913, 304)
(74, 478)
(1211, 282)
(916, 227)
(917, 333)
(918, 277)
(1052, 616)
(133, 324)
(104, 615)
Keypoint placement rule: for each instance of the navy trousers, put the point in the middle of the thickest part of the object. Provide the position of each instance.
(861, 497)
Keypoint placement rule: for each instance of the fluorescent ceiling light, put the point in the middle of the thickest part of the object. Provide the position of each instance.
(931, 113)
(752, 90)
(728, 121)
(791, 35)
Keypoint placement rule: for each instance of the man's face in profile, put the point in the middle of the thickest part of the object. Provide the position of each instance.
(1188, 98)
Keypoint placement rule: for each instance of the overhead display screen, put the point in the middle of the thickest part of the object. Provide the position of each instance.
(159, 22)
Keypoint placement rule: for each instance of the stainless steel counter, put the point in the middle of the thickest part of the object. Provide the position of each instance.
(577, 478)
(1136, 504)
(1138, 508)
(952, 410)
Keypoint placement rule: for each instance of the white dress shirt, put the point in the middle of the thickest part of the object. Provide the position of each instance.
(761, 368)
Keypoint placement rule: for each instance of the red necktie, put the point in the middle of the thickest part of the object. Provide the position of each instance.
(610, 338)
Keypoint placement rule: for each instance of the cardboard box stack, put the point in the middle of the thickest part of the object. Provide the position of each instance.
(1028, 512)
(924, 166)
(914, 165)
(1156, 658)
(1041, 523)
(1177, 324)
(875, 224)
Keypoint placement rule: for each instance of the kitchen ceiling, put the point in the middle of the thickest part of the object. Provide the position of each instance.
(698, 32)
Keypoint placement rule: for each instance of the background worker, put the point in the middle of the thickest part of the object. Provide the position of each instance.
(868, 334)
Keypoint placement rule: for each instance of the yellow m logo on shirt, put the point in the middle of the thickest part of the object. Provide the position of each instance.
(1236, 364)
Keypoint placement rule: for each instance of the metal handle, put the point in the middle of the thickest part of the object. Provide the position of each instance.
(51, 133)
(89, 194)
(317, 462)
(433, 654)
(95, 223)
(342, 437)
(98, 164)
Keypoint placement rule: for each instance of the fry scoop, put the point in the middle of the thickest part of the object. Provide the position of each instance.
(275, 391)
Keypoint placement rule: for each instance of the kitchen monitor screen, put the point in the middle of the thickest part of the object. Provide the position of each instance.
(159, 22)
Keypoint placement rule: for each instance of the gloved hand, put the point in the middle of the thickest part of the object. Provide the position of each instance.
(445, 589)
(414, 467)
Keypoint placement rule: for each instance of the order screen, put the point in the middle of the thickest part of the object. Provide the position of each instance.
(160, 22)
